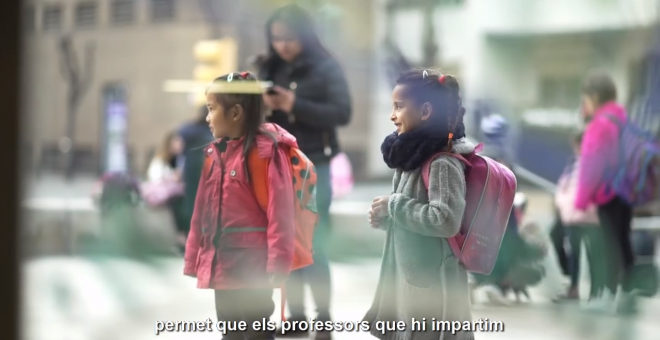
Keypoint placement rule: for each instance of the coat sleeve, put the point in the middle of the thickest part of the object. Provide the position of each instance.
(599, 140)
(195, 234)
(443, 214)
(281, 214)
(335, 109)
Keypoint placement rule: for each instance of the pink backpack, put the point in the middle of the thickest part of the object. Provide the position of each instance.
(491, 188)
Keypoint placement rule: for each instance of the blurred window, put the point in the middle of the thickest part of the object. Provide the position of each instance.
(29, 18)
(86, 13)
(162, 10)
(123, 12)
(52, 17)
(560, 92)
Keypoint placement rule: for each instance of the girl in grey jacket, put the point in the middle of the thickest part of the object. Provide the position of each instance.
(421, 281)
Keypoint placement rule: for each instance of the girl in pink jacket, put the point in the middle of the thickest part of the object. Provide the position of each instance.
(581, 226)
(599, 156)
(235, 247)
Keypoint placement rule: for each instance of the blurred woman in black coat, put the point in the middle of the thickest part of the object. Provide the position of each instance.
(310, 99)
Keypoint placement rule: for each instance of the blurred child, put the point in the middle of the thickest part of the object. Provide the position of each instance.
(164, 165)
(527, 268)
(235, 247)
(581, 226)
(517, 265)
(163, 186)
(600, 156)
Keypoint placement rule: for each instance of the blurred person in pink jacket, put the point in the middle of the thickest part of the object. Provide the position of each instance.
(581, 226)
(599, 156)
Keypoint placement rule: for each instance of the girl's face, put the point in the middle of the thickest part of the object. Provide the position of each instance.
(406, 115)
(588, 106)
(223, 123)
(285, 42)
(176, 145)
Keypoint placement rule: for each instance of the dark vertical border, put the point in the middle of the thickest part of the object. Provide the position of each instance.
(10, 69)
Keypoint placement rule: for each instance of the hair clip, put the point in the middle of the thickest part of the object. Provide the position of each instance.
(442, 79)
(245, 74)
(451, 136)
(230, 77)
(425, 74)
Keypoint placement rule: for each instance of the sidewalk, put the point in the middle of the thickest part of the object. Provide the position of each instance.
(77, 299)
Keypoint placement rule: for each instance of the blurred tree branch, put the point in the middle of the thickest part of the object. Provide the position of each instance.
(79, 79)
(430, 48)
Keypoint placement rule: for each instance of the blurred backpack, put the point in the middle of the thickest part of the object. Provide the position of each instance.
(306, 214)
(636, 179)
(158, 194)
(304, 184)
(491, 188)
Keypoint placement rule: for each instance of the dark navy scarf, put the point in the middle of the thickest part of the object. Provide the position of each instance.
(408, 151)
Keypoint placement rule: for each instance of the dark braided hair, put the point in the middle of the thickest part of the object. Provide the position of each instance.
(253, 110)
(443, 93)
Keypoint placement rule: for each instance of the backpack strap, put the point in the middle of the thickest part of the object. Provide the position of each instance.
(426, 167)
(614, 120)
(258, 169)
(622, 157)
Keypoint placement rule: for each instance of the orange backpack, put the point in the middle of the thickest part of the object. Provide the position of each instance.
(306, 215)
(304, 185)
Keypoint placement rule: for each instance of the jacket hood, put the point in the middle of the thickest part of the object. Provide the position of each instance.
(280, 136)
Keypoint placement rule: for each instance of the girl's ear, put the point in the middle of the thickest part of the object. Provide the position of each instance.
(426, 110)
(236, 112)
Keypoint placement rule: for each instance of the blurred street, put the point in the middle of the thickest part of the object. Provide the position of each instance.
(77, 298)
(68, 298)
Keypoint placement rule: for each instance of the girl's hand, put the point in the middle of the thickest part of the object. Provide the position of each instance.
(374, 221)
(379, 206)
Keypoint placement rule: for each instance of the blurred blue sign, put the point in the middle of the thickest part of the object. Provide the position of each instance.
(114, 129)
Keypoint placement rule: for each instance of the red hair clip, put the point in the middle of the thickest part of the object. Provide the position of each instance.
(442, 79)
(245, 74)
(451, 136)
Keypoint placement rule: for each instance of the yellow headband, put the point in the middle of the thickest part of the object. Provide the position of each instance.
(239, 87)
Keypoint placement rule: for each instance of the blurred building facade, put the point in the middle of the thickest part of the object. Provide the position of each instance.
(139, 44)
(527, 54)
